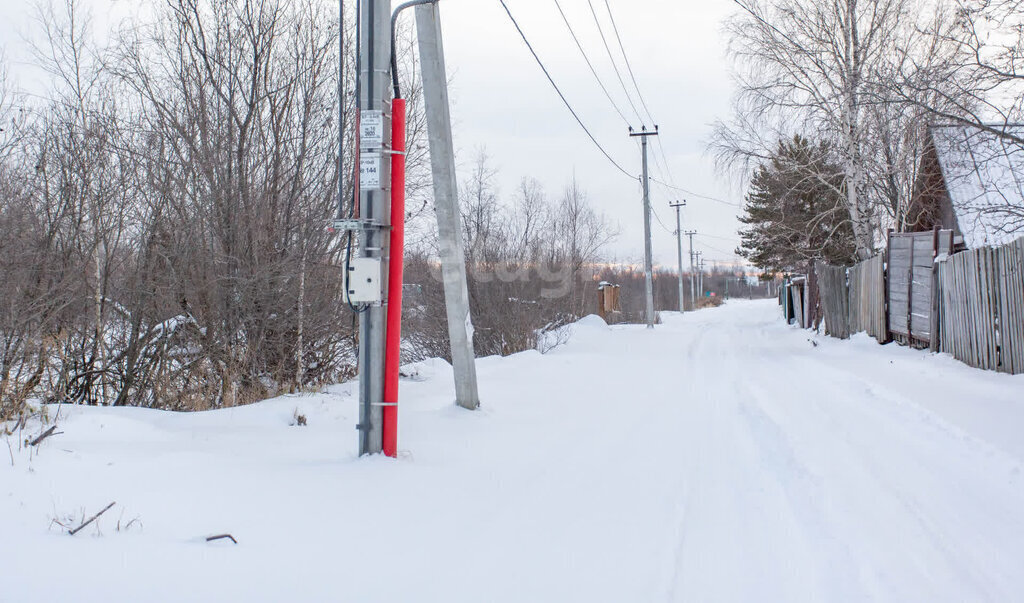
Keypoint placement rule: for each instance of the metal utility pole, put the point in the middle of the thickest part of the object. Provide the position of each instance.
(679, 246)
(693, 291)
(446, 203)
(374, 208)
(648, 262)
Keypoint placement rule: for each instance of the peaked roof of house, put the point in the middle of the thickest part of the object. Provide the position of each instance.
(984, 176)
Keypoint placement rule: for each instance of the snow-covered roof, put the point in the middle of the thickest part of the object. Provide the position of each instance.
(984, 175)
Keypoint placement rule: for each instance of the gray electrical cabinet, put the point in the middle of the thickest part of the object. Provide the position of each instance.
(363, 281)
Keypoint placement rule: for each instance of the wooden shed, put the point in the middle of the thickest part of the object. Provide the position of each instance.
(970, 181)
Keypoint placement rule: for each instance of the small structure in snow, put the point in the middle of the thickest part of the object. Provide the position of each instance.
(608, 300)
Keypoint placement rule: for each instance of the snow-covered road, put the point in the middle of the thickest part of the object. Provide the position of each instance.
(720, 457)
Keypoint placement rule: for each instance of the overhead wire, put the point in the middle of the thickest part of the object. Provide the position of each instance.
(732, 239)
(559, 91)
(625, 58)
(729, 253)
(665, 168)
(611, 58)
(661, 163)
(591, 65)
(698, 195)
(654, 210)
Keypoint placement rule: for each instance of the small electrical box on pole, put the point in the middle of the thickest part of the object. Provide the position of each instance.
(362, 281)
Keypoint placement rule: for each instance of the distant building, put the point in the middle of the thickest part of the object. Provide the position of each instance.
(972, 182)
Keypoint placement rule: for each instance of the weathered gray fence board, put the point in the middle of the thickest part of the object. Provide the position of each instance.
(981, 307)
(834, 296)
(1011, 312)
(798, 303)
(867, 298)
(969, 304)
(911, 276)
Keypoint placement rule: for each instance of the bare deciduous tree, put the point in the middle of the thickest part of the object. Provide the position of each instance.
(824, 68)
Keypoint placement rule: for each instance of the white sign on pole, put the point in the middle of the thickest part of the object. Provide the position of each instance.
(369, 171)
(371, 129)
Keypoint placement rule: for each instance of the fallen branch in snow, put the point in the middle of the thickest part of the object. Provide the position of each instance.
(52, 431)
(221, 537)
(10, 451)
(90, 520)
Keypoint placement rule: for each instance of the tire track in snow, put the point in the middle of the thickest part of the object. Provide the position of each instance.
(695, 385)
(818, 464)
(862, 454)
(740, 506)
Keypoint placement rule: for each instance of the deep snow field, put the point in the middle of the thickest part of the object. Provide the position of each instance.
(720, 457)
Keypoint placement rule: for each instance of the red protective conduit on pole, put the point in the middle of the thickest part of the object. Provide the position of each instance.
(392, 351)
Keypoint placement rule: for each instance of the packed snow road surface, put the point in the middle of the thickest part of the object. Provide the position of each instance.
(720, 457)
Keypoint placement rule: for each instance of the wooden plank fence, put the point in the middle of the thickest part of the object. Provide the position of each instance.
(867, 298)
(793, 300)
(1010, 260)
(911, 274)
(970, 304)
(796, 297)
(834, 298)
(981, 307)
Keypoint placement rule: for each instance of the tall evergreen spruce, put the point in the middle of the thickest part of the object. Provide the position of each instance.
(795, 211)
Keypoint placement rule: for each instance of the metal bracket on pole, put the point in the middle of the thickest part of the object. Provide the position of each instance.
(356, 224)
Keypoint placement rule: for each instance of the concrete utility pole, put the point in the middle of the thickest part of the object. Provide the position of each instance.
(648, 263)
(700, 273)
(693, 291)
(679, 246)
(446, 204)
(374, 207)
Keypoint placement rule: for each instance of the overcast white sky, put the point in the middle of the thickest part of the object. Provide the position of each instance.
(503, 102)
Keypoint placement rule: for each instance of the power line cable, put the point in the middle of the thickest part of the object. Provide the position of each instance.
(730, 253)
(559, 91)
(654, 210)
(611, 58)
(731, 239)
(698, 195)
(636, 86)
(591, 65)
(664, 157)
(664, 168)
(670, 231)
(625, 58)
